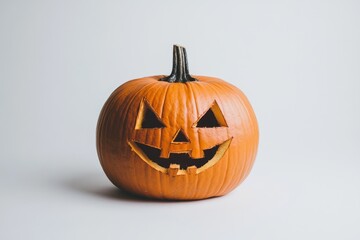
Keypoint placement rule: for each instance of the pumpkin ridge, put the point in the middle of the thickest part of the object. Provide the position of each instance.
(128, 104)
(147, 89)
(191, 90)
(221, 186)
(230, 172)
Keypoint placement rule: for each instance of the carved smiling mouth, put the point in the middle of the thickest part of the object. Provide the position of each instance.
(180, 163)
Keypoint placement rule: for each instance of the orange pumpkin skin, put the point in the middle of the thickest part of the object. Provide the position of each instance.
(178, 106)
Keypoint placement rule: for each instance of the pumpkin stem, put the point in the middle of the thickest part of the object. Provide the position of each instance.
(180, 70)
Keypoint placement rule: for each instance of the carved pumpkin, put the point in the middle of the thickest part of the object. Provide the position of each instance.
(177, 137)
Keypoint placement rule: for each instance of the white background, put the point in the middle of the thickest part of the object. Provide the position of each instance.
(297, 61)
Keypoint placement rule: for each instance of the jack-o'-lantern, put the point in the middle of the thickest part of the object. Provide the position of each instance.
(177, 137)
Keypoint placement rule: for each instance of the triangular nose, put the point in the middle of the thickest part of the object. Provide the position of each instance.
(180, 137)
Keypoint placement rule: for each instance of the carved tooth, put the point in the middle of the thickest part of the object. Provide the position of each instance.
(173, 169)
(191, 170)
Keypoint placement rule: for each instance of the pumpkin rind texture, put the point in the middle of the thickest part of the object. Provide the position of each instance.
(177, 140)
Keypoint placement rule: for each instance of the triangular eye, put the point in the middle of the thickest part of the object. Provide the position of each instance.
(213, 117)
(147, 118)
